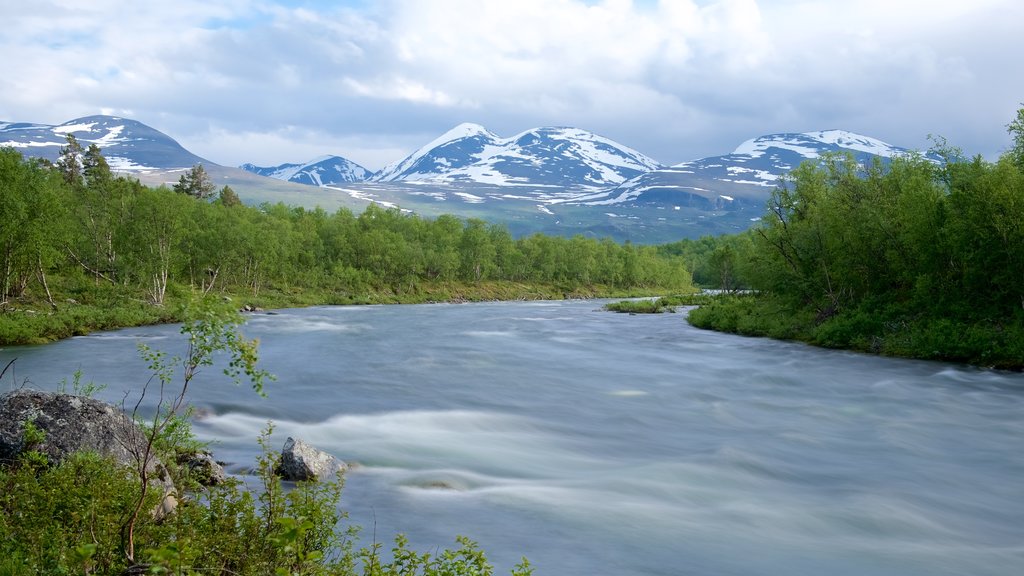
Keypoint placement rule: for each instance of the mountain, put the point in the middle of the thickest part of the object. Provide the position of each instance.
(128, 145)
(541, 157)
(561, 181)
(749, 173)
(319, 172)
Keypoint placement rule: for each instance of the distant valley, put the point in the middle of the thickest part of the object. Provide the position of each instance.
(556, 180)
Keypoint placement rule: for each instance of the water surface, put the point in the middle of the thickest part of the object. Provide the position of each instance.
(600, 443)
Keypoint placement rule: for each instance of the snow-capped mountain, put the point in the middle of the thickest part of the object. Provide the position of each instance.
(541, 157)
(322, 171)
(128, 145)
(749, 173)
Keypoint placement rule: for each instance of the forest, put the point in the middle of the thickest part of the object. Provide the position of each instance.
(84, 249)
(908, 257)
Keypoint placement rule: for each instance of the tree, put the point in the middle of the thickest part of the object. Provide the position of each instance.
(94, 166)
(69, 162)
(1016, 130)
(210, 331)
(228, 197)
(156, 229)
(33, 224)
(476, 251)
(196, 183)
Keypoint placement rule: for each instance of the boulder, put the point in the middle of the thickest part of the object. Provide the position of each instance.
(204, 468)
(72, 424)
(300, 461)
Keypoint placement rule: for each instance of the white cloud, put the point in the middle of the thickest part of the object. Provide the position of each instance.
(674, 79)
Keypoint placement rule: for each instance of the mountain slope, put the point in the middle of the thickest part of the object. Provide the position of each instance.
(541, 157)
(322, 171)
(128, 145)
(749, 173)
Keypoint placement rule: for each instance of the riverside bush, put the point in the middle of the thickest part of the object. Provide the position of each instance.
(90, 515)
(67, 519)
(908, 257)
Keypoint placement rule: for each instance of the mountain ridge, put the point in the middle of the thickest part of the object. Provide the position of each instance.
(535, 181)
(128, 145)
(553, 156)
(748, 173)
(321, 171)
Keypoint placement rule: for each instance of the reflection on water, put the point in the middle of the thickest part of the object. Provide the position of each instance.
(599, 443)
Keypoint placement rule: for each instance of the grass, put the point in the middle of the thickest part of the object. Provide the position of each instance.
(96, 308)
(657, 305)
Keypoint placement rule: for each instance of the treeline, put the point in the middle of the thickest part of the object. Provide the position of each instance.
(74, 233)
(715, 262)
(909, 257)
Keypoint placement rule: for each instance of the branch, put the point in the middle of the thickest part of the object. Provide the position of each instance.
(92, 271)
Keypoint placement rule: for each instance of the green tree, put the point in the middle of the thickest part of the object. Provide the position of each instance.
(196, 183)
(1016, 130)
(69, 160)
(33, 224)
(476, 253)
(228, 197)
(157, 231)
(94, 166)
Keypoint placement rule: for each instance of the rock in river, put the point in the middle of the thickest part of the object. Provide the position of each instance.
(300, 461)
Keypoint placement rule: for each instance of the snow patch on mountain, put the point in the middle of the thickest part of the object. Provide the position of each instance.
(812, 144)
(540, 157)
(72, 128)
(322, 171)
(754, 167)
(122, 164)
(128, 145)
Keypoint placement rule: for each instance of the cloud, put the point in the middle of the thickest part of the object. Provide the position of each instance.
(265, 81)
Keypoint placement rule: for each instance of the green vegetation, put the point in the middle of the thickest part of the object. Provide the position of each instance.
(657, 305)
(90, 515)
(69, 519)
(718, 262)
(647, 306)
(82, 249)
(909, 258)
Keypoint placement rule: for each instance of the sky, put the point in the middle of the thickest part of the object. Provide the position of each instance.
(274, 81)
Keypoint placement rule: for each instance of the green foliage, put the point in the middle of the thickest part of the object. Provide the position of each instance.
(103, 251)
(1016, 130)
(908, 258)
(52, 516)
(32, 437)
(195, 183)
(646, 306)
(719, 262)
(66, 519)
(87, 513)
(228, 197)
(69, 161)
(78, 388)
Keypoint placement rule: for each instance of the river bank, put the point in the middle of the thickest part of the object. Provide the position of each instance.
(109, 308)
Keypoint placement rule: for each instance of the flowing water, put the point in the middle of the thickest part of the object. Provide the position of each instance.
(599, 443)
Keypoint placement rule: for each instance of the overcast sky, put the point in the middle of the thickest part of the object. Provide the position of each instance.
(273, 81)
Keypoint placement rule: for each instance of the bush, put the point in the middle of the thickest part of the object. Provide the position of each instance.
(68, 519)
(638, 307)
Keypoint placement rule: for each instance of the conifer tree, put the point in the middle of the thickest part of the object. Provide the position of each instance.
(196, 183)
(69, 162)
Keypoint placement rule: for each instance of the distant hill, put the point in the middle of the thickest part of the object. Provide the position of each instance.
(128, 145)
(749, 173)
(561, 181)
(322, 171)
(541, 157)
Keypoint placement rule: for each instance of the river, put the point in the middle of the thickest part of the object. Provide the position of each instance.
(597, 443)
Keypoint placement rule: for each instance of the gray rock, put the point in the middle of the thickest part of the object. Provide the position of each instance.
(300, 461)
(205, 469)
(72, 424)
